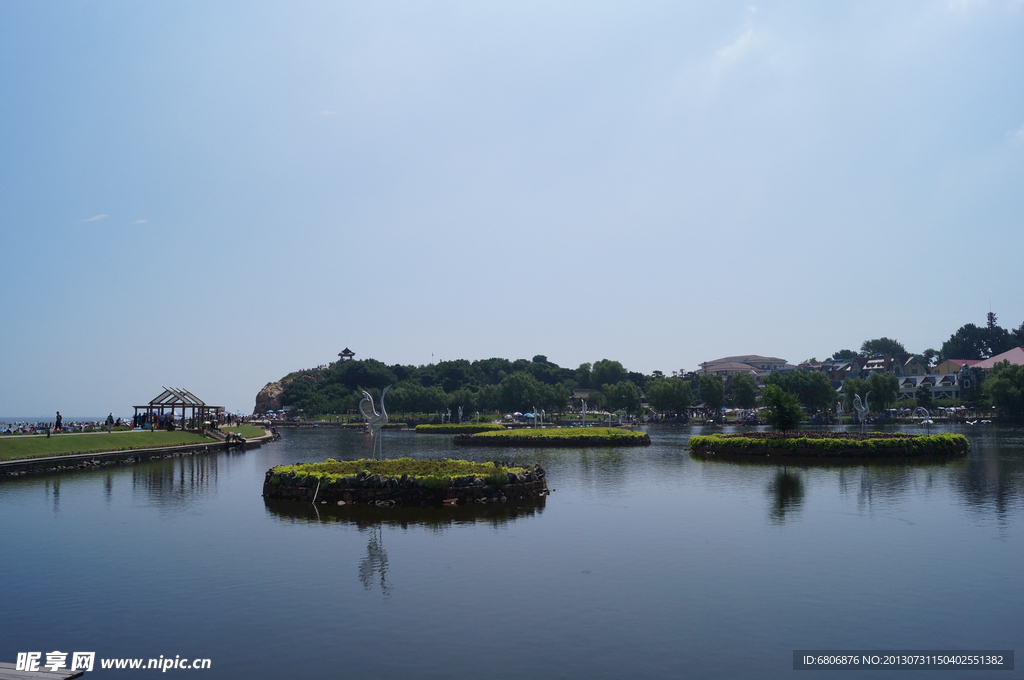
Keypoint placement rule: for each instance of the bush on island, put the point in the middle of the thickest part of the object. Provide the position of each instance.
(462, 428)
(836, 445)
(434, 473)
(566, 436)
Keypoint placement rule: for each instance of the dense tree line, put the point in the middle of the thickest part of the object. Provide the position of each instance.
(486, 385)
(497, 384)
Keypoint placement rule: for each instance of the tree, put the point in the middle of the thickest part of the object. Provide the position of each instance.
(492, 370)
(885, 388)
(967, 343)
(813, 389)
(744, 391)
(929, 357)
(712, 392)
(784, 412)
(669, 394)
(519, 391)
(844, 355)
(607, 372)
(998, 340)
(1006, 387)
(923, 395)
(583, 375)
(623, 395)
(881, 346)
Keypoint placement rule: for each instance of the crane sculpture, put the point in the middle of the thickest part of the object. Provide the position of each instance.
(375, 420)
(861, 409)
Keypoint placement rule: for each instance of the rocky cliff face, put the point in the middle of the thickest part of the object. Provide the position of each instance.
(269, 398)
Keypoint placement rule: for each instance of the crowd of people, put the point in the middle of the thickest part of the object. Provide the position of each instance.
(141, 421)
(60, 425)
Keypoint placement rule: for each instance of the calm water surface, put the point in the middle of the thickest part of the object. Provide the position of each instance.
(643, 563)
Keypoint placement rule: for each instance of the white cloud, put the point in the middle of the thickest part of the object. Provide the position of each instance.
(94, 218)
(739, 47)
(1018, 135)
(139, 222)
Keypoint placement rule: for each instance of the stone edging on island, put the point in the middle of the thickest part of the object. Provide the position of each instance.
(402, 491)
(809, 448)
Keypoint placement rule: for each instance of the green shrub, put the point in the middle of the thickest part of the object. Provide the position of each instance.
(440, 471)
(498, 478)
(463, 428)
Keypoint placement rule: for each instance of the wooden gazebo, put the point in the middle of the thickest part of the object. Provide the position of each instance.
(170, 400)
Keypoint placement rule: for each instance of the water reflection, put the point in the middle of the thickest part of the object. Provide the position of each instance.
(786, 490)
(53, 491)
(376, 561)
(369, 516)
(370, 520)
(176, 481)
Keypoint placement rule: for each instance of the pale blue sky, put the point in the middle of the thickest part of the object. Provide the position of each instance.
(212, 194)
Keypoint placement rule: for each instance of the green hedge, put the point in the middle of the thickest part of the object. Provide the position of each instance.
(565, 433)
(467, 428)
(874, 445)
(433, 472)
(566, 436)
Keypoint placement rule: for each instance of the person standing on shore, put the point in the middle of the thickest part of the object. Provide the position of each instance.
(110, 422)
(57, 424)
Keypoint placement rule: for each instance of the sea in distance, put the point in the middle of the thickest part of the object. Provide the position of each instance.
(643, 563)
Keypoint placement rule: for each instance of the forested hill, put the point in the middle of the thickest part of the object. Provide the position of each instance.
(484, 385)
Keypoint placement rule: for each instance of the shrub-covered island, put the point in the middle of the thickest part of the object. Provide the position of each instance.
(404, 481)
(460, 428)
(566, 436)
(837, 447)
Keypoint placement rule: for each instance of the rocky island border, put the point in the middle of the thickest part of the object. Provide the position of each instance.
(829, 447)
(494, 482)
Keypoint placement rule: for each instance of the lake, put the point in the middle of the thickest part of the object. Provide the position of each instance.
(643, 563)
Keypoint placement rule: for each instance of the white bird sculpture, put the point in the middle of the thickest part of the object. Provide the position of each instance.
(375, 420)
(861, 409)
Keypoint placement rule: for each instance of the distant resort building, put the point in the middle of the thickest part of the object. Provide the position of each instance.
(944, 381)
(346, 355)
(753, 365)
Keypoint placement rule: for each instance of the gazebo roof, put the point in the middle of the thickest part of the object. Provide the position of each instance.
(178, 398)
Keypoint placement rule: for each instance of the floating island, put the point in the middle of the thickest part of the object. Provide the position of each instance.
(578, 437)
(404, 482)
(459, 428)
(829, 447)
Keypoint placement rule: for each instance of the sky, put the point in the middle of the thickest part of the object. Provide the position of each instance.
(211, 195)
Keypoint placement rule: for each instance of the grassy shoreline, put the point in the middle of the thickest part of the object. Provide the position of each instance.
(14, 448)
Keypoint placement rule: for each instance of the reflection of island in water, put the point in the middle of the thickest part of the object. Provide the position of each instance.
(376, 561)
(365, 516)
(786, 490)
(370, 519)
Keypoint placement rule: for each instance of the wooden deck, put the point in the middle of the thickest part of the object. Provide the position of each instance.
(7, 672)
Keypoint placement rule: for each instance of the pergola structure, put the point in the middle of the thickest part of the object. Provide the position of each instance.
(170, 400)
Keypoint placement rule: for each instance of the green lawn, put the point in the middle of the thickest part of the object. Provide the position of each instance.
(247, 431)
(32, 447)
